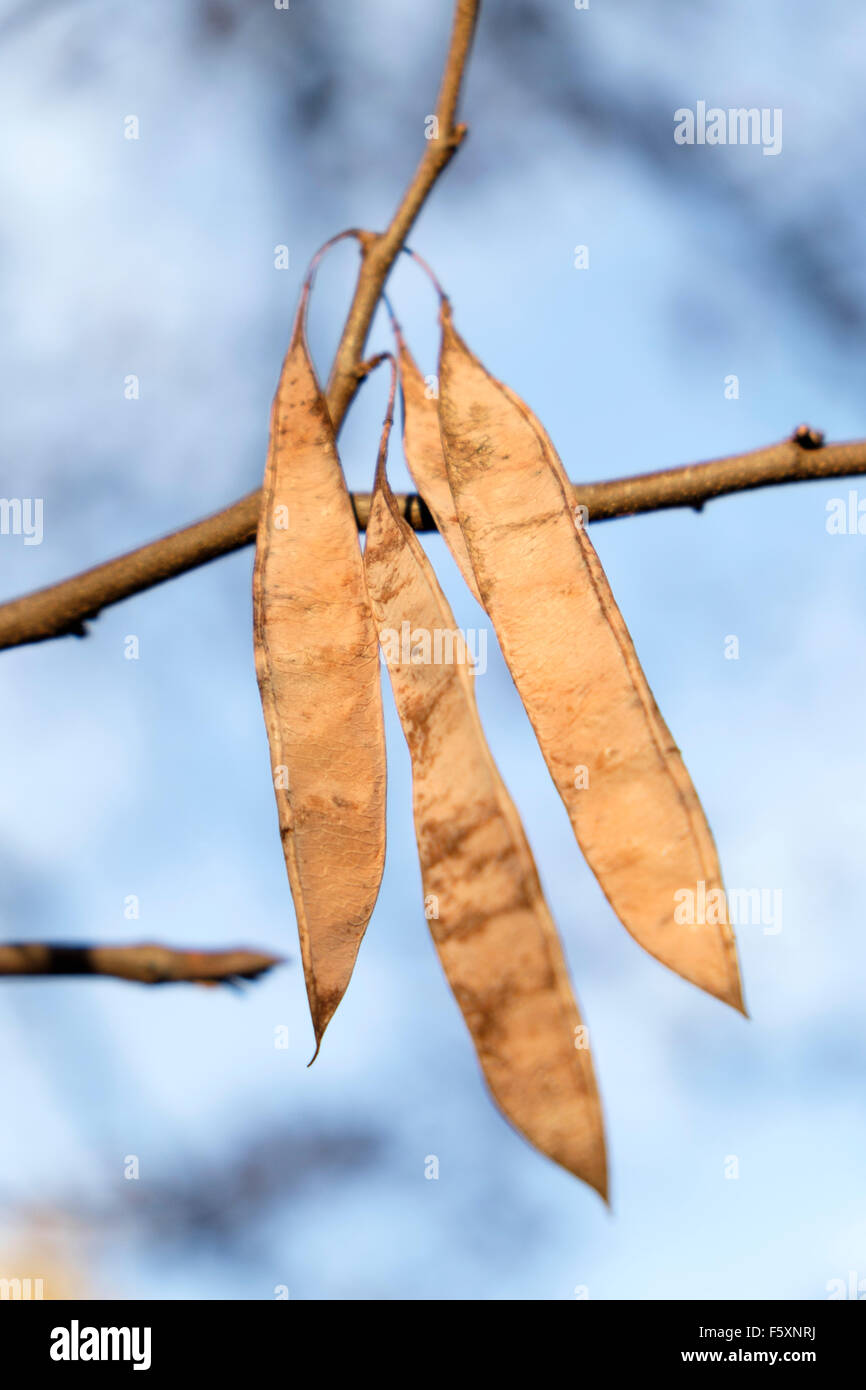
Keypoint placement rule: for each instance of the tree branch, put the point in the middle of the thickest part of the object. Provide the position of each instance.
(148, 964)
(63, 608)
(380, 251)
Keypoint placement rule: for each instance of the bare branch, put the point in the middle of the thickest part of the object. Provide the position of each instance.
(802, 457)
(64, 608)
(148, 964)
(379, 252)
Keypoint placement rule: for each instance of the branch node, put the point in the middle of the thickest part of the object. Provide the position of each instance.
(807, 437)
(367, 240)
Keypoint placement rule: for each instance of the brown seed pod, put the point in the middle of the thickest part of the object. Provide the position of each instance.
(491, 926)
(425, 460)
(631, 801)
(318, 669)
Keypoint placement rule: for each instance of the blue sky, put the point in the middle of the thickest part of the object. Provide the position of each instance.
(150, 777)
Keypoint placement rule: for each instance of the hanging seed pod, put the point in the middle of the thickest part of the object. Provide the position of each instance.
(318, 670)
(491, 926)
(631, 801)
(422, 448)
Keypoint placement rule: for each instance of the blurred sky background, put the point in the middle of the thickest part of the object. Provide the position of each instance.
(151, 777)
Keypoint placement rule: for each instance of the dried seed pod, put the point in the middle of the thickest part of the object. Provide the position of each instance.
(318, 668)
(490, 923)
(422, 448)
(631, 801)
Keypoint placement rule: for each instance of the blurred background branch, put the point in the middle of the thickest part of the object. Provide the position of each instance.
(148, 964)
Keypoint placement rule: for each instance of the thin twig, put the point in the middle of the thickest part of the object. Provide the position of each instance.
(380, 251)
(65, 607)
(148, 964)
